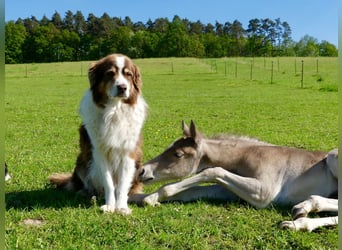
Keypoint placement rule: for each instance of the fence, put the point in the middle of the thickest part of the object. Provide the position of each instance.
(298, 72)
(302, 72)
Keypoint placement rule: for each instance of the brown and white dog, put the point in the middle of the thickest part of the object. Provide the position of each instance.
(113, 112)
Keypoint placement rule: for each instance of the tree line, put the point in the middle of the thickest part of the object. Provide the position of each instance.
(74, 38)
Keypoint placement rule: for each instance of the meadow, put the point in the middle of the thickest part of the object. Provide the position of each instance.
(232, 95)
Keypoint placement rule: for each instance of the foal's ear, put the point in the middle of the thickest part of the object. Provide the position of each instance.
(186, 130)
(194, 132)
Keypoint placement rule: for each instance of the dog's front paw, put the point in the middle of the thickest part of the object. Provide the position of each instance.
(108, 209)
(151, 200)
(124, 211)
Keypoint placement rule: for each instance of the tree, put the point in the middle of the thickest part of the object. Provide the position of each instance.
(209, 29)
(57, 20)
(327, 49)
(307, 46)
(174, 41)
(196, 28)
(219, 29)
(14, 40)
(68, 21)
(254, 40)
(237, 33)
(287, 43)
(211, 45)
(74, 38)
(139, 26)
(143, 44)
(39, 47)
(44, 21)
(160, 25)
(80, 25)
(128, 22)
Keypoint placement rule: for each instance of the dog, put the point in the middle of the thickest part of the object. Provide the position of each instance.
(113, 112)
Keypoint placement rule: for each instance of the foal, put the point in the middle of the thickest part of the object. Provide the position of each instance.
(255, 171)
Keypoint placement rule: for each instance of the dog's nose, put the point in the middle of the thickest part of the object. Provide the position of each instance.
(122, 87)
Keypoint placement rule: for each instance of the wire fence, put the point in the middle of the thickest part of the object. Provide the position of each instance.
(300, 72)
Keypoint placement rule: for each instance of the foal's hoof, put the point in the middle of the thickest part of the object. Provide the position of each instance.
(301, 224)
(151, 200)
(287, 225)
(123, 211)
(298, 212)
(107, 209)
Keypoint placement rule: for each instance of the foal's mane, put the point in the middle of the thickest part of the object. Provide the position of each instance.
(238, 138)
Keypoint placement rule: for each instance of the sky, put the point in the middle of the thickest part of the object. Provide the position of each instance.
(317, 18)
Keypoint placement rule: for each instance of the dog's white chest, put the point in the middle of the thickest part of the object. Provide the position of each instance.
(115, 127)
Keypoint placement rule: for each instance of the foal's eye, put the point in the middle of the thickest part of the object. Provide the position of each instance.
(179, 154)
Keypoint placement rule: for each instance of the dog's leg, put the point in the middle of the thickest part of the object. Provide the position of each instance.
(125, 177)
(109, 189)
(102, 177)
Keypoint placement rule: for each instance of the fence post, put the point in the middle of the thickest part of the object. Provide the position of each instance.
(272, 72)
(265, 61)
(225, 68)
(302, 78)
(278, 64)
(317, 66)
(251, 73)
(236, 62)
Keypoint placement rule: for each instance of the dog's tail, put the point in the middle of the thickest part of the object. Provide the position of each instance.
(67, 181)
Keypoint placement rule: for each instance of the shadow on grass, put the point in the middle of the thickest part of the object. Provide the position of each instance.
(45, 198)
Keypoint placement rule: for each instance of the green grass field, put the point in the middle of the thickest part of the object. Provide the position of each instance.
(42, 102)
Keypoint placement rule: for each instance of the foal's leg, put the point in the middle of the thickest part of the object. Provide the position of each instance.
(309, 224)
(314, 204)
(249, 189)
(210, 192)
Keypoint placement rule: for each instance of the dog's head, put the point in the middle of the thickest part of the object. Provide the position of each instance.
(114, 77)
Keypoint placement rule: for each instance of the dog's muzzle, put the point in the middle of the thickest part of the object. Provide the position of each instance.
(121, 90)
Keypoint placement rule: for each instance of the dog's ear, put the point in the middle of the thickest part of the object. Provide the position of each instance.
(92, 74)
(136, 77)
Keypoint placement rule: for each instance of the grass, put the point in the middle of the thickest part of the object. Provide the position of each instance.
(41, 107)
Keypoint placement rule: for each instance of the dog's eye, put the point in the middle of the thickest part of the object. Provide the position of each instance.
(179, 154)
(127, 72)
(110, 73)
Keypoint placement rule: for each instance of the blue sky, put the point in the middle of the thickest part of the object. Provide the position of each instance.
(317, 18)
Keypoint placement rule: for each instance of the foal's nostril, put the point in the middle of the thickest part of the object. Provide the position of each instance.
(142, 172)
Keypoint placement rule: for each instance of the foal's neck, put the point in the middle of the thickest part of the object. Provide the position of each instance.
(226, 152)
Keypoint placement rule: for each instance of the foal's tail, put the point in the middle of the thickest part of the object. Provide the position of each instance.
(67, 181)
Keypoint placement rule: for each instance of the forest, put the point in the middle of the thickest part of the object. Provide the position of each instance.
(76, 38)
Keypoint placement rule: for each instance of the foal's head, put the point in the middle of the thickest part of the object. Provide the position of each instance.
(177, 161)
